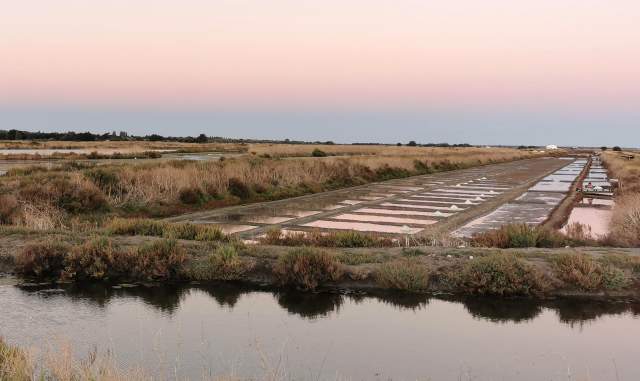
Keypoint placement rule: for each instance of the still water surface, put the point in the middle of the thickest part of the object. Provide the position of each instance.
(188, 332)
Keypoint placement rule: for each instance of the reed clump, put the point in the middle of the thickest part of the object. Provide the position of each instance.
(404, 275)
(523, 235)
(224, 263)
(345, 239)
(585, 273)
(307, 268)
(501, 274)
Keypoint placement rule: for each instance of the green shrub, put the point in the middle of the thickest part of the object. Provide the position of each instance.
(210, 233)
(223, 264)
(8, 208)
(520, 236)
(136, 226)
(318, 153)
(186, 231)
(307, 268)
(42, 260)
(501, 274)
(406, 275)
(97, 259)
(359, 258)
(346, 239)
(160, 260)
(238, 188)
(583, 272)
(192, 196)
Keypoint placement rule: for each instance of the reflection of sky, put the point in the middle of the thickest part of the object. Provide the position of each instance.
(496, 56)
(228, 332)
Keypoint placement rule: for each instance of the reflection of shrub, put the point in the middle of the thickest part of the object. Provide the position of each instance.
(42, 260)
(501, 274)
(307, 268)
(403, 275)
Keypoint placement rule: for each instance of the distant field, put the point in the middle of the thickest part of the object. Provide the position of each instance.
(120, 146)
(77, 192)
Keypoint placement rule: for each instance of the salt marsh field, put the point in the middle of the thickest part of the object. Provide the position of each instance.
(407, 206)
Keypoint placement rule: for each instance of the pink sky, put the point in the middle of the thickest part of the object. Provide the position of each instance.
(325, 53)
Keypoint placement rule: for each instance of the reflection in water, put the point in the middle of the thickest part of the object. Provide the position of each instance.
(167, 299)
(229, 329)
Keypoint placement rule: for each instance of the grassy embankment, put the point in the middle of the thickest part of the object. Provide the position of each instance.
(533, 272)
(80, 197)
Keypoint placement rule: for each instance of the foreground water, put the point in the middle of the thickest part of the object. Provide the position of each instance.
(188, 332)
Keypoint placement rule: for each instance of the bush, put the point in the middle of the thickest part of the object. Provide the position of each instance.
(192, 196)
(625, 222)
(521, 235)
(617, 149)
(149, 227)
(408, 275)
(97, 259)
(8, 208)
(136, 226)
(223, 264)
(307, 268)
(347, 239)
(160, 260)
(104, 179)
(501, 274)
(318, 153)
(583, 272)
(238, 188)
(43, 260)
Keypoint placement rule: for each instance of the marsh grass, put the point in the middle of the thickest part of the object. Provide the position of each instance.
(307, 268)
(155, 228)
(583, 272)
(523, 235)
(344, 239)
(502, 274)
(405, 275)
(166, 188)
(224, 263)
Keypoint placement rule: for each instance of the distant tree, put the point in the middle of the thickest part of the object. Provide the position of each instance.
(604, 148)
(399, 144)
(412, 143)
(202, 138)
(616, 148)
(155, 138)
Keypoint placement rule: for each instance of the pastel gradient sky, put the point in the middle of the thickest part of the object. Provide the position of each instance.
(479, 71)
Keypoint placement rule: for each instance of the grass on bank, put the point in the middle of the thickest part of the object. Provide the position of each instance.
(326, 239)
(155, 228)
(523, 235)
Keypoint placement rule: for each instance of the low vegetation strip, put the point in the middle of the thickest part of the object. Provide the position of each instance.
(507, 272)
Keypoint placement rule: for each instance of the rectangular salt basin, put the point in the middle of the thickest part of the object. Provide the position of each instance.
(597, 220)
(448, 202)
(549, 198)
(268, 220)
(351, 202)
(463, 191)
(402, 212)
(362, 226)
(474, 187)
(552, 186)
(228, 228)
(443, 196)
(383, 219)
(302, 213)
(413, 206)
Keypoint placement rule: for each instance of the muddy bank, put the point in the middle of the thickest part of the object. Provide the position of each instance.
(599, 273)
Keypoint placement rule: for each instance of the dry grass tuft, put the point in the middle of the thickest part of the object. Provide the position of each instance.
(307, 268)
(502, 274)
(224, 263)
(326, 239)
(583, 272)
(405, 275)
(625, 222)
(523, 235)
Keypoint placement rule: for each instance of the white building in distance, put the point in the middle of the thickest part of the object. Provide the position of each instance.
(552, 146)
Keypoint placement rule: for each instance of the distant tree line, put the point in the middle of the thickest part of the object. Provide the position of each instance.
(124, 136)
